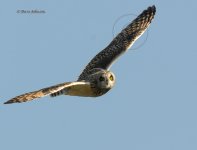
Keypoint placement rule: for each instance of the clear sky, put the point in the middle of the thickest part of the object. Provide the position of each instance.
(153, 104)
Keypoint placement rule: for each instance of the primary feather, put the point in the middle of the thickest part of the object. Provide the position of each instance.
(121, 42)
(44, 92)
(96, 79)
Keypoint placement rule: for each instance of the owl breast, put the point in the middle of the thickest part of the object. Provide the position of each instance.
(85, 91)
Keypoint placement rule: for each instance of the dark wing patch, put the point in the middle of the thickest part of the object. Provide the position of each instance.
(121, 42)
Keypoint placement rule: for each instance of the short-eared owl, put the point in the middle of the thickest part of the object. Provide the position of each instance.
(96, 79)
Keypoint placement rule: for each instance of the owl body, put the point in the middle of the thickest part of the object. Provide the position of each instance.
(98, 82)
(96, 79)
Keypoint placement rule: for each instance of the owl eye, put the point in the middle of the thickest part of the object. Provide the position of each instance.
(111, 78)
(101, 78)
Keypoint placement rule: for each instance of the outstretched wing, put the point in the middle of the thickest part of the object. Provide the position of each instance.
(55, 90)
(121, 42)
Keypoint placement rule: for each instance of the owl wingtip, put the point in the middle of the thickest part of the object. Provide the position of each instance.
(153, 7)
(8, 102)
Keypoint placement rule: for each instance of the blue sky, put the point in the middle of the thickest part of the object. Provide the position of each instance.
(153, 104)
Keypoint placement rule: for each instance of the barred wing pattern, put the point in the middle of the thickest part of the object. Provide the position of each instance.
(53, 91)
(121, 42)
(85, 85)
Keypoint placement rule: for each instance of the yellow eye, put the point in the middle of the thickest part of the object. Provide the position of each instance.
(111, 78)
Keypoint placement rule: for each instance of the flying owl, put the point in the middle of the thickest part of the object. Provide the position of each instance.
(96, 79)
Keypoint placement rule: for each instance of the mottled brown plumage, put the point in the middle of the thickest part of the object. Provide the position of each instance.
(121, 42)
(96, 79)
(54, 90)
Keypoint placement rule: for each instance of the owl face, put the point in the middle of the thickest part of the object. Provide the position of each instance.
(105, 80)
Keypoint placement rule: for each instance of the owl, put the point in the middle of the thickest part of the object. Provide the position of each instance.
(96, 79)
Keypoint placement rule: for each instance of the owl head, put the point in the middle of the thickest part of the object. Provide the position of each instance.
(102, 79)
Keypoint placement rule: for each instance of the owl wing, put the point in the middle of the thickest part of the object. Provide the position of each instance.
(63, 88)
(121, 42)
